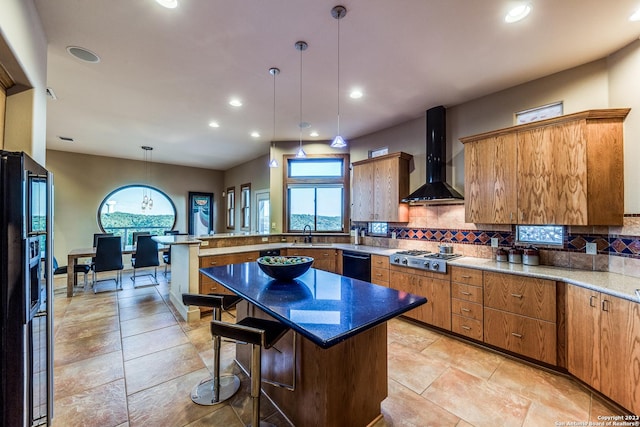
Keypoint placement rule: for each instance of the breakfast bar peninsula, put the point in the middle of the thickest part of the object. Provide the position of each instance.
(334, 357)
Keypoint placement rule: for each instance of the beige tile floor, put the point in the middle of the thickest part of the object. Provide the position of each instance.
(125, 358)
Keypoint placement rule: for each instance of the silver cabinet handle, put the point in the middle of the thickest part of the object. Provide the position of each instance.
(591, 300)
(516, 335)
(466, 277)
(465, 293)
(465, 327)
(465, 310)
(519, 296)
(605, 305)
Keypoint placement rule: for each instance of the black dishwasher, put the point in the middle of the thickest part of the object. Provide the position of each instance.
(356, 265)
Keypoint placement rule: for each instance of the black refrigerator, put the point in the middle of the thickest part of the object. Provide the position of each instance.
(26, 299)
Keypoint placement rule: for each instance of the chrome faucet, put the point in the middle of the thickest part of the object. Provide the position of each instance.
(307, 239)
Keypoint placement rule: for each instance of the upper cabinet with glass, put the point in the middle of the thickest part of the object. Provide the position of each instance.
(566, 170)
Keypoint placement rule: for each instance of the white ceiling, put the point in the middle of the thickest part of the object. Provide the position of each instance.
(165, 74)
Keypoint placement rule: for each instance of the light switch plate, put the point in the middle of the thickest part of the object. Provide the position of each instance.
(494, 242)
(204, 243)
(592, 248)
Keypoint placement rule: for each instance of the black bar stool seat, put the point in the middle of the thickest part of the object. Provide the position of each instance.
(217, 388)
(259, 333)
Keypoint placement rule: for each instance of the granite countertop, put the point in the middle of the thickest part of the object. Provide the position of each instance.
(324, 307)
(615, 284)
(627, 287)
(374, 250)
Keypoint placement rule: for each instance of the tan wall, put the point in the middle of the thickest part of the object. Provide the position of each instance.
(254, 172)
(23, 52)
(82, 181)
(624, 91)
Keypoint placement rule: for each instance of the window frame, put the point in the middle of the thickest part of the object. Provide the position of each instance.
(230, 208)
(245, 206)
(344, 181)
(109, 195)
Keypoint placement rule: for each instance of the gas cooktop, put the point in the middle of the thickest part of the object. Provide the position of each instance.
(423, 260)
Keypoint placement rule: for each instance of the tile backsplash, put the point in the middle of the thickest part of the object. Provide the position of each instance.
(618, 248)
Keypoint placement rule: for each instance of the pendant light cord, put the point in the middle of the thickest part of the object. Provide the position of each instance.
(338, 76)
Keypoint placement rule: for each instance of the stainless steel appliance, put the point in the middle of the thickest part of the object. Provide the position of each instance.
(423, 260)
(356, 265)
(26, 304)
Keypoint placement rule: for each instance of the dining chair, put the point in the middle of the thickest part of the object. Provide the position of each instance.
(78, 268)
(108, 258)
(146, 255)
(137, 234)
(96, 236)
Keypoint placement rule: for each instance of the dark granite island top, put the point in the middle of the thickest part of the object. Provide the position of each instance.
(340, 364)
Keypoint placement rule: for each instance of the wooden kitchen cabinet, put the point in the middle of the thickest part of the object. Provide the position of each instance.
(323, 258)
(467, 317)
(208, 286)
(520, 315)
(567, 170)
(603, 349)
(433, 286)
(380, 270)
(490, 180)
(378, 185)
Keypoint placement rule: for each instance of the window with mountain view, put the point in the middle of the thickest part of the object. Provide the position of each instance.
(136, 208)
(316, 193)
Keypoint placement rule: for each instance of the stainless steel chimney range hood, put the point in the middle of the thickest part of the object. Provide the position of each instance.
(436, 190)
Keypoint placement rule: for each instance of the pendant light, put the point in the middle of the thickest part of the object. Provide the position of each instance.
(273, 163)
(147, 200)
(301, 46)
(338, 12)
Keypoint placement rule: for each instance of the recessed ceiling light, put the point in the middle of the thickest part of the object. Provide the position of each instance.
(635, 16)
(214, 124)
(314, 134)
(255, 134)
(169, 4)
(83, 54)
(235, 102)
(518, 13)
(356, 94)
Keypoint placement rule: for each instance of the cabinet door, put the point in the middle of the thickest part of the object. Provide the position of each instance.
(490, 180)
(583, 334)
(362, 208)
(620, 351)
(527, 296)
(385, 190)
(439, 296)
(552, 175)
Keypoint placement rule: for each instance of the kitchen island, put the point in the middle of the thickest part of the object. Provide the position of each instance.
(340, 354)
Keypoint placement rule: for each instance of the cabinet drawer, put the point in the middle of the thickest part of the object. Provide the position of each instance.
(466, 309)
(523, 335)
(379, 275)
(527, 296)
(379, 261)
(466, 292)
(466, 275)
(471, 328)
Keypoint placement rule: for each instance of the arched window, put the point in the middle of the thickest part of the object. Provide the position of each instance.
(136, 208)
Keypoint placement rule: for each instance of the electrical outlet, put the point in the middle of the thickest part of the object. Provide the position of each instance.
(592, 248)
(204, 243)
(265, 239)
(494, 242)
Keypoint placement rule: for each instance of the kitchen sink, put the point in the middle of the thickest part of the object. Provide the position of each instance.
(312, 245)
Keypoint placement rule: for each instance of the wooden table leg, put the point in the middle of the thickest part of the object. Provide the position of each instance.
(71, 275)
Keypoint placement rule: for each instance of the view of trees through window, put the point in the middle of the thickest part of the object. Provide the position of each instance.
(123, 212)
(315, 193)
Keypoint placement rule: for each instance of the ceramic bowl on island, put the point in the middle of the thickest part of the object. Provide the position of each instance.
(285, 268)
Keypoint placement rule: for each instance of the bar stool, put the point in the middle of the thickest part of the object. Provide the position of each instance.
(215, 389)
(259, 333)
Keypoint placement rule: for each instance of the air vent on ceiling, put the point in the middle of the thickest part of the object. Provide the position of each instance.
(65, 139)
